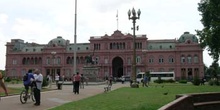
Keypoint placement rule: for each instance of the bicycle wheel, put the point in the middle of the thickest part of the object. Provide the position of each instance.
(23, 97)
(32, 96)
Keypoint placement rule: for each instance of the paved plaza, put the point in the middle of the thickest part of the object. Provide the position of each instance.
(55, 98)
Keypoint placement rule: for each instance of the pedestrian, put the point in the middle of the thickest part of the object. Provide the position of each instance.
(110, 80)
(82, 81)
(57, 78)
(38, 78)
(73, 81)
(49, 79)
(122, 79)
(145, 81)
(77, 78)
(2, 84)
(86, 79)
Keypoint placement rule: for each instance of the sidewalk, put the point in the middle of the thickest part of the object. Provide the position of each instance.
(55, 98)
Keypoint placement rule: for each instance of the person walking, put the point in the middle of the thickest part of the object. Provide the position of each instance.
(122, 79)
(2, 84)
(49, 79)
(82, 81)
(76, 83)
(145, 81)
(57, 78)
(73, 81)
(38, 78)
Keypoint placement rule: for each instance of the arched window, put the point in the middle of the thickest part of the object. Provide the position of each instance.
(24, 61)
(151, 59)
(171, 59)
(189, 59)
(196, 59)
(161, 60)
(138, 59)
(68, 60)
(182, 59)
(48, 60)
(58, 60)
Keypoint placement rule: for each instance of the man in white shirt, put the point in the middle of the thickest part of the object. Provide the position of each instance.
(39, 80)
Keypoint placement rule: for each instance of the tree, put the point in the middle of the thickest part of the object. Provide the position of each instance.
(209, 36)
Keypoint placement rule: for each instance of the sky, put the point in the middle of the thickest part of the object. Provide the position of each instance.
(40, 21)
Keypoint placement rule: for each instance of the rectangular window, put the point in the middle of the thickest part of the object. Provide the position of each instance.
(151, 60)
(171, 60)
(48, 61)
(182, 59)
(196, 60)
(106, 61)
(189, 60)
(161, 60)
(58, 61)
(129, 60)
(14, 62)
(138, 60)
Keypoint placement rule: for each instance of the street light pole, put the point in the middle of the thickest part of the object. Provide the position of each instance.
(75, 38)
(53, 69)
(134, 17)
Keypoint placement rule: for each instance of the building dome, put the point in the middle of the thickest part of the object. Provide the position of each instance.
(188, 37)
(59, 41)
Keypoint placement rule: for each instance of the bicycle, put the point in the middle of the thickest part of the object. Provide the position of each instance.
(24, 97)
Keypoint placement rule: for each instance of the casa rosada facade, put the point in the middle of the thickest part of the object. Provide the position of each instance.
(113, 55)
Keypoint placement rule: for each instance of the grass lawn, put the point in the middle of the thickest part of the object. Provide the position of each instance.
(11, 91)
(143, 98)
(16, 91)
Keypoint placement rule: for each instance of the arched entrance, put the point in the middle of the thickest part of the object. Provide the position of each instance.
(117, 67)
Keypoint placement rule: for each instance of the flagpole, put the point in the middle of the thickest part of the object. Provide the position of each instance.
(75, 36)
(117, 19)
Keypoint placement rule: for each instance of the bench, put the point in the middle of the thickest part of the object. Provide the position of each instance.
(107, 88)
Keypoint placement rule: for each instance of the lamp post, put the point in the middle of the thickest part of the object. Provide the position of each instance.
(53, 69)
(134, 17)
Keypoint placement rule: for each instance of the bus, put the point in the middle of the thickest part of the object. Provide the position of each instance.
(162, 75)
(156, 75)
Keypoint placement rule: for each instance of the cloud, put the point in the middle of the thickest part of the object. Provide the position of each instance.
(3, 18)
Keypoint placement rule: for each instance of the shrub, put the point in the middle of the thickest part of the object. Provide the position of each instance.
(183, 81)
(158, 81)
(214, 82)
(170, 81)
(211, 82)
(7, 79)
(196, 81)
(45, 82)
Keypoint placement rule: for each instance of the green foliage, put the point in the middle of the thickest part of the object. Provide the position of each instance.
(169, 81)
(210, 35)
(3, 73)
(214, 82)
(159, 80)
(164, 81)
(196, 81)
(183, 81)
(45, 82)
(7, 79)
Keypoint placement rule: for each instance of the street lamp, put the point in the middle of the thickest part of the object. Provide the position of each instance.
(53, 69)
(134, 17)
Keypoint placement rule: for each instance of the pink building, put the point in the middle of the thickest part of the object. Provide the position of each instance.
(112, 54)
